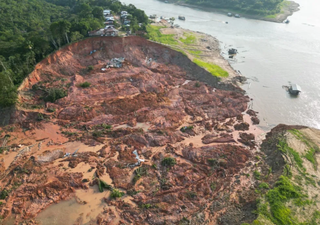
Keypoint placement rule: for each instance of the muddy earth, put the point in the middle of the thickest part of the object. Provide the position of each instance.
(195, 142)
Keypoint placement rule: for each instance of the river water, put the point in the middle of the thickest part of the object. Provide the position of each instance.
(270, 55)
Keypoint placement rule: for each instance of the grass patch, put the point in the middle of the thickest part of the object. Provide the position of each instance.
(313, 148)
(190, 39)
(284, 148)
(195, 53)
(215, 70)
(154, 34)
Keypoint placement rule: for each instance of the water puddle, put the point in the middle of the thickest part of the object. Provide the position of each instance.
(71, 211)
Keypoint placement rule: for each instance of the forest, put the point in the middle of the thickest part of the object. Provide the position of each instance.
(32, 29)
(258, 7)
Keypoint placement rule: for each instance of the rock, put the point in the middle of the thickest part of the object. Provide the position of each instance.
(247, 139)
(242, 126)
(251, 112)
(255, 120)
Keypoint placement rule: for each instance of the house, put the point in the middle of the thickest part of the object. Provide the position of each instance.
(123, 13)
(109, 22)
(111, 31)
(294, 89)
(125, 22)
(109, 18)
(99, 32)
(107, 31)
(106, 12)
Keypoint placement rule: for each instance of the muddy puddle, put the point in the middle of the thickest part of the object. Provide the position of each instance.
(70, 211)
(71, 147)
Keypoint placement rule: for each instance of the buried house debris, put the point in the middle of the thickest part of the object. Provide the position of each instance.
(114, 63)
(138, 158)
(73, 154)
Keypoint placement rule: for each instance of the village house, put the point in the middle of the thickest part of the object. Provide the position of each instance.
(111, 31)
(106, 12)
(107, 31)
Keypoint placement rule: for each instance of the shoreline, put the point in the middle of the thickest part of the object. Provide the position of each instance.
(287, 11)
(208, 45)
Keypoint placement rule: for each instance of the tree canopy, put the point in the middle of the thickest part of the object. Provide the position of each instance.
(262, 7)
(32, 29)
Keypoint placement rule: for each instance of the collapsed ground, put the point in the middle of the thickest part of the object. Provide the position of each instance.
(188, 127)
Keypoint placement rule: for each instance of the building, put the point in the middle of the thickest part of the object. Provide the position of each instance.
(111, 31)
(106, 12)
(107, 31)
(99, 32)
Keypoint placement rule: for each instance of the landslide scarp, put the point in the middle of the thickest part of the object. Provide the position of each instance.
(191, 132)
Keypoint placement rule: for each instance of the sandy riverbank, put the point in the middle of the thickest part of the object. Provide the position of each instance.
(203, 47)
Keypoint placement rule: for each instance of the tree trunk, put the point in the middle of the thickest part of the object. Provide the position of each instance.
(54, 42)
(67, 37)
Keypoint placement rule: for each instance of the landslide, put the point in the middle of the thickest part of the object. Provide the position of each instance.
(190, 129)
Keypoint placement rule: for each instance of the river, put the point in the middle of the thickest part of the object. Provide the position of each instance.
(270, 55)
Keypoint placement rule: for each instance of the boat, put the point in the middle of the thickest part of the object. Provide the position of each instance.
(237, 16)
(229, 14)
(286, 21)
(181, 18)
(294, 89)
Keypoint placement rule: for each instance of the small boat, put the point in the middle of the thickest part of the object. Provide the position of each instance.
(229, 14)
(286, 21)
(294, 89)
(237, 16)
(181, 18)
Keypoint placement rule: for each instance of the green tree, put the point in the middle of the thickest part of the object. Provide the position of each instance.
(97, 12)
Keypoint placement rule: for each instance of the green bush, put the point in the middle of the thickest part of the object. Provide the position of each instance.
(54, 94)
(85, 84)
(90, 68)
(168, 161)
(116, 193)
(4, 193)
(186, 128)
(256, 174)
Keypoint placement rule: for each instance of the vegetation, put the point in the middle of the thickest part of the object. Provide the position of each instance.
(154, 34)
(103, 185)
(313, 148)
(215, 70)
(116, 193)
(32, 29)
(55, 94)
(190, 39)
(186, 128)
(168, 162)
(85, 84)
(138, 173)
(258, 7)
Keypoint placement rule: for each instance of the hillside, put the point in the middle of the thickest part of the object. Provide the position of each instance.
(32, 29)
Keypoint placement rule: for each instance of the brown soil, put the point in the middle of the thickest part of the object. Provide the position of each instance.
(154, 107)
